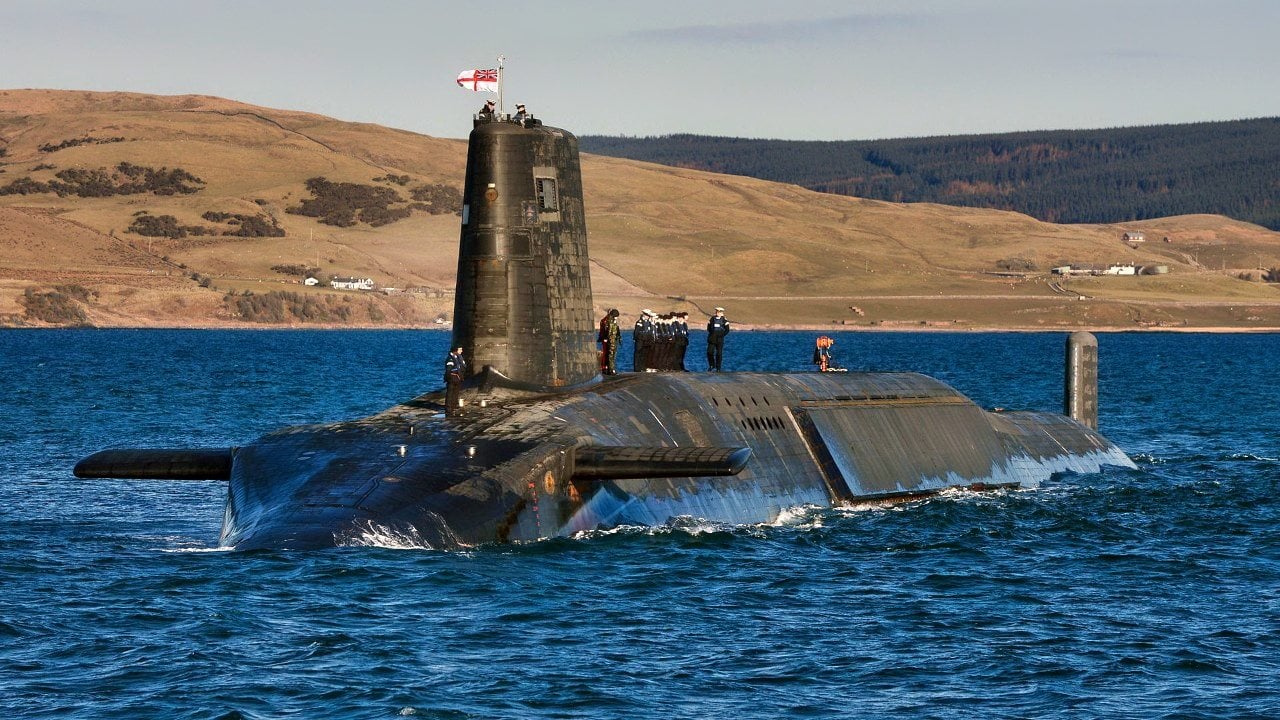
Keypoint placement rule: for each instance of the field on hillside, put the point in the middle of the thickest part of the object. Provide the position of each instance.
(121, 209)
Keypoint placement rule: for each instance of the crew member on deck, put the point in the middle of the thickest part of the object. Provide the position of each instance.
(663, 343)
(717, 328)
(822, 356)
(455, 368)
(822, 353)
(682, 339)
(610, 337)
(520, 115)
(486, 111)
(642, 338)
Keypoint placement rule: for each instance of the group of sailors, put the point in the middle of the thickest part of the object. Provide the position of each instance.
(660, 341)
(489, 113)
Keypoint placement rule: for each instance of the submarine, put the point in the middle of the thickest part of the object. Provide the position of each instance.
(546, 446)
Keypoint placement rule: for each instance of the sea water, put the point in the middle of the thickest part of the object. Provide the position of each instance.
(1130, 593)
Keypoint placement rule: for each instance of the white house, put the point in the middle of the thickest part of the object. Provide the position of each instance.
(352, 283)
(1133, 237)
(310, 281)
(1129, 269)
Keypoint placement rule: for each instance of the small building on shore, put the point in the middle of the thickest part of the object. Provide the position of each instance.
(351, 283)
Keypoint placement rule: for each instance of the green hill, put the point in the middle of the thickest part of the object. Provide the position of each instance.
(1065, 176)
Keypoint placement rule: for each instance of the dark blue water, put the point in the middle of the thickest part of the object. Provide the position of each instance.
(1128, 594)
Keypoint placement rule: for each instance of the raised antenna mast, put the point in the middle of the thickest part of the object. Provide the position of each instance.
(501, 59)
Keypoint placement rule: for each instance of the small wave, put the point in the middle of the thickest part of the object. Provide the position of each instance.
(695, 525)
(371, 534)
(1249, 457)
(800, 517)
(184, 544)
(863, 507)
(215, 549)
(684, 524)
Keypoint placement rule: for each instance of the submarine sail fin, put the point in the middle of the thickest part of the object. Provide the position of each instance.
(523, 299)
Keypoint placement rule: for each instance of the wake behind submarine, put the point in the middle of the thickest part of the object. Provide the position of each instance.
(545, 446)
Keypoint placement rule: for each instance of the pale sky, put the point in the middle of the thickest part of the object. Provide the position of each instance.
(825, 70)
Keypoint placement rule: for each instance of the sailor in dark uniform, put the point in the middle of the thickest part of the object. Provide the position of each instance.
(455, 369)
(486, 110)
(663, 342)
(642, 337)
(717, 328)
(682, 339)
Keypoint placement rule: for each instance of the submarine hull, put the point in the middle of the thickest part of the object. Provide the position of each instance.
(508, 471)
(545, 447)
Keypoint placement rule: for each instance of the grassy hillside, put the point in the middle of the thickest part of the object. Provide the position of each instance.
(1099, 176)
(121, 209)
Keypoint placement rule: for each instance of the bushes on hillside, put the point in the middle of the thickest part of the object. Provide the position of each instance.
(161, 182)
(437, 199)
(279, 307)
(345, 204)
(124, 179)
(298, 270)
(24, 186)
(56, 307)
(85, 183)
(73, 142)
(246, 225)
(1016, 264)
(166, 226)
(256, 226)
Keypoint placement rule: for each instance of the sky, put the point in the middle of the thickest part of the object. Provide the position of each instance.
(803, 70)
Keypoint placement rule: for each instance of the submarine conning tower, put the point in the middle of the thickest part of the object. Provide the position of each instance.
(523, 301)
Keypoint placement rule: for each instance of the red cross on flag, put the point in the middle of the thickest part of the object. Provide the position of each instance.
(479, 80)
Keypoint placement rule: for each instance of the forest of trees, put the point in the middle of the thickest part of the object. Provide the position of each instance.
(1070, 176)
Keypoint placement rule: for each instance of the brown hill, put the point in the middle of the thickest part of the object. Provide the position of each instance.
(99, 168)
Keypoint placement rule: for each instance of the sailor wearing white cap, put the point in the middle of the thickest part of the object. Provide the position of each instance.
(717, 328)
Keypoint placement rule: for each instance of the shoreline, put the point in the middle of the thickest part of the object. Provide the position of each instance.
(740, 327)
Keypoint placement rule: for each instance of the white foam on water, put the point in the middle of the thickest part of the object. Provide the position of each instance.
(684, 524)
(183, 544)
(371, 534)
(216, 549)
(801, 517)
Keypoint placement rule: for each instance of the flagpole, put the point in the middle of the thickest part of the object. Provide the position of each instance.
(501, 59)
